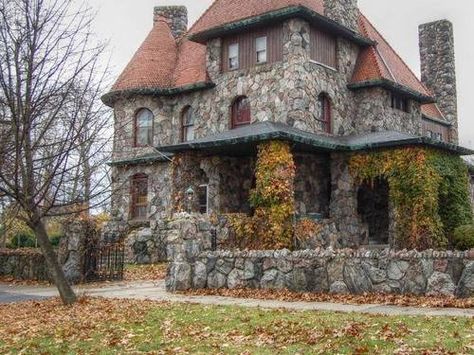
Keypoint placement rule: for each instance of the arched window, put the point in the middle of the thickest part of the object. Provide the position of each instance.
(139, 196)
(143, 128)
(187, 124)
(325, 113)
(240, 112)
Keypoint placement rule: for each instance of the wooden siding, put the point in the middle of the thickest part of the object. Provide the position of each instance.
(436, 128)
(247, 47)
(323, 48)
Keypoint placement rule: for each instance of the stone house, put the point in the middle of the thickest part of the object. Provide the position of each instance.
(315, 73)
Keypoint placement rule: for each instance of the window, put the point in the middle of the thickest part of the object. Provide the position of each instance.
(261, 47)
(241, 112)
(400, 103)
(187, 124)
(234, 56)
(325, 113)
(143, 128)
(139, 196)
(203, 196)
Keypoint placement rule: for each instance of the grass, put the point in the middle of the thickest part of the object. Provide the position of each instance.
(124, 326)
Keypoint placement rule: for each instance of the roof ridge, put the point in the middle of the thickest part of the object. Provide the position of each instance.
(395, 52)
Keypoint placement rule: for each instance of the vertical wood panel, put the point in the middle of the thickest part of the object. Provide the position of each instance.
(247, 47)
(429, 126)
(323, 48)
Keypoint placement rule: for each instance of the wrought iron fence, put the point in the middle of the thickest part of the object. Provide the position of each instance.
(104, 262)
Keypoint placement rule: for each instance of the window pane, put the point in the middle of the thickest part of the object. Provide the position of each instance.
(261, 44)
(144, 127)
(234, 56)
(189, 133)
(202, 196)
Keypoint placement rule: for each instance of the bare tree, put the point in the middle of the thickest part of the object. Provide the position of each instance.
(50, 82)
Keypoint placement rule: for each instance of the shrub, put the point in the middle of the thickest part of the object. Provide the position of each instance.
(464, 237)
(55, 239)
(22, 240)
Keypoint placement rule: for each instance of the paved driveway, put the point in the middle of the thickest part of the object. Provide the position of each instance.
(156, 291)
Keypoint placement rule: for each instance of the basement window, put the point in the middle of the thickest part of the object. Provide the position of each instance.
(400, 103)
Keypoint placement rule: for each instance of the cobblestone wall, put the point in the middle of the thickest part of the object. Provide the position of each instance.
(193, 265)
(23, 264)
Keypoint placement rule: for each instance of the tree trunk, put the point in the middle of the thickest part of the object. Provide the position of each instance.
(65, 291)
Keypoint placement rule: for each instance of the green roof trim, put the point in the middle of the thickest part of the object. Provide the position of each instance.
(110, 98)
(141, 160)
(245, 139)
(437, 120)
(395, 87)
(278, 15)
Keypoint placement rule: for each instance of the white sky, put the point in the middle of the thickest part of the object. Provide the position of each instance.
(126, 23)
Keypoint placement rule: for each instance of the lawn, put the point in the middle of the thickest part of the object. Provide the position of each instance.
(118, 326)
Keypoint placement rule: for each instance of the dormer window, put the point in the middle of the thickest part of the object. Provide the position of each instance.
(143, 128)
(187, 124)
(400, 103)
(261, 47)
(234, 56)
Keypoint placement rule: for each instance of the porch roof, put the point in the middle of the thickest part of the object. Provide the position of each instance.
(244, 140)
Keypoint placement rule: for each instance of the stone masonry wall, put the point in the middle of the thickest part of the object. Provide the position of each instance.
(23, 264)
(285, 91)
(472, 191)
(438, 68)
(194, 266)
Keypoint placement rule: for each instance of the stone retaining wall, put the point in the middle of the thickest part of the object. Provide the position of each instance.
(195, 266)
(23, 264)
(427, 273)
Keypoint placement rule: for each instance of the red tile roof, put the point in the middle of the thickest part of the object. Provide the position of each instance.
(432, 111)
(154, 62)
(223, 12)
(382, 62)
(162, 62)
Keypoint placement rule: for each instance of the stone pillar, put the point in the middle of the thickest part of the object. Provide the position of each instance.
(344, 12)
(176, 16)
(343, 207)
(438, 69)
(72, 249)
(187, 236)
(214, 58)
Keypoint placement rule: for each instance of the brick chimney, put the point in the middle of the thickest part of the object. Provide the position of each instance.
(344, 12)
(438, 69)
(176, 16)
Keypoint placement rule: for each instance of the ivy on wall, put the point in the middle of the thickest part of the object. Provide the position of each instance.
(428, 188)
(271, 226)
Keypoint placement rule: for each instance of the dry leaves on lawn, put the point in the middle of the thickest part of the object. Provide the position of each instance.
(385, 299)
(145, 272)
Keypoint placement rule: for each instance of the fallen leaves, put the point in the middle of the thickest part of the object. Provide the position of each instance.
(132, 326)
(378, 298)
(145, 272)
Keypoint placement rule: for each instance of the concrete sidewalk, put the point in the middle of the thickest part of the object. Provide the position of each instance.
(156, 291)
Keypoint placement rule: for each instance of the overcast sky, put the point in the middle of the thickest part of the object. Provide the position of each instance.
(126, 23)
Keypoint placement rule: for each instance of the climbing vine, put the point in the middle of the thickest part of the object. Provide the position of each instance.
(271, 226)
(428, 189)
